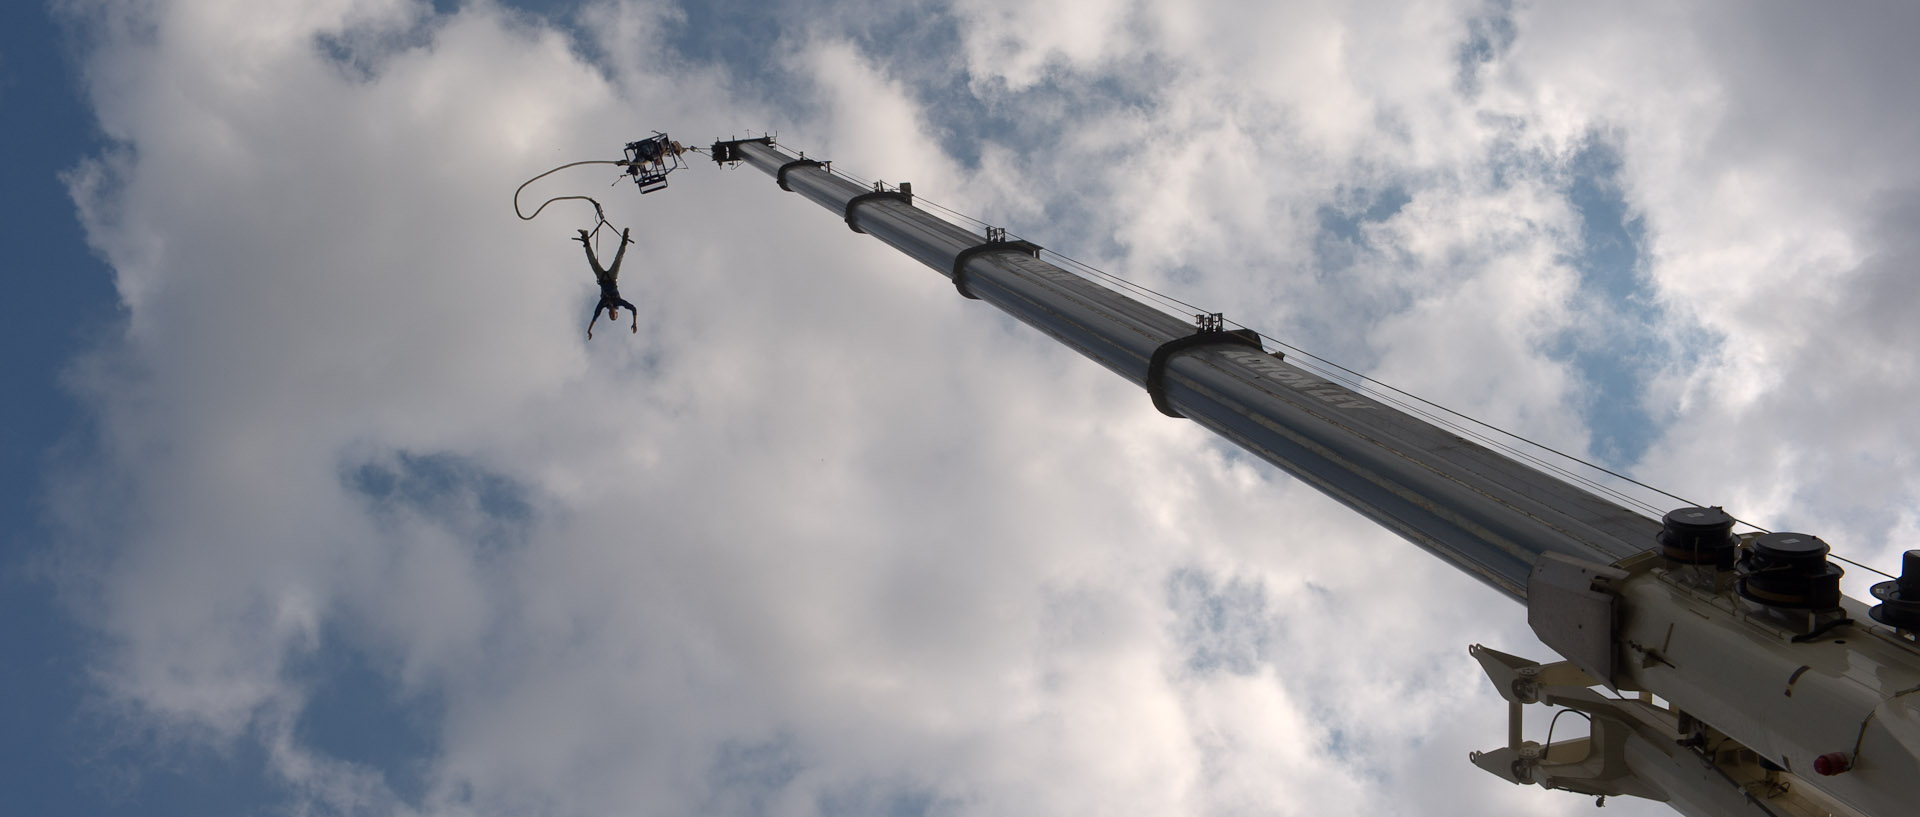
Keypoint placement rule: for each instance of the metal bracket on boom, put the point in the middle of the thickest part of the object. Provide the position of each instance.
(1572, 607)
(780, 177)
(729, 150)
(1210, 332)
(996, 242)
(903, 194)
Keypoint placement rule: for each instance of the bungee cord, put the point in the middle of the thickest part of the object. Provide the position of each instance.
(599, 213)
(543, 205)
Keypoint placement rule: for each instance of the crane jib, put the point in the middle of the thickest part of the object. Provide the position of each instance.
(1658, 607)
(1488, 515)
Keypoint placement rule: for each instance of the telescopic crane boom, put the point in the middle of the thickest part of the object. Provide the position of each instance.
(1781, 696)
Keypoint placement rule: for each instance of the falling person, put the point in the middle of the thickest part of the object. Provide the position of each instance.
(609, 280)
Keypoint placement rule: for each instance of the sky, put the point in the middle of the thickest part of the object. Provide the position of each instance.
(318, 501)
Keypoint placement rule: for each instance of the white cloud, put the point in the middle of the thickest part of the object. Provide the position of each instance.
(823, 536)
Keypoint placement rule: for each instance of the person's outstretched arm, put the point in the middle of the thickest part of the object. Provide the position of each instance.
(636, 313)
(596, 319)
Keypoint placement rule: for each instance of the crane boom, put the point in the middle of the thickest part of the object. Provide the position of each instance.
(1484, 513)
(1715, 624)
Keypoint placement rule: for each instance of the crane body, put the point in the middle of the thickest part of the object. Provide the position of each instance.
(1741, 682)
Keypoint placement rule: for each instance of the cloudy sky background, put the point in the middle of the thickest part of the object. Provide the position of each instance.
(320, 502)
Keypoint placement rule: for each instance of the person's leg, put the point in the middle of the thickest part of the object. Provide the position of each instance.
(619, 255)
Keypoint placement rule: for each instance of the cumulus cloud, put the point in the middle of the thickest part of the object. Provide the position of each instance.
(1775, 207)
(824, 538)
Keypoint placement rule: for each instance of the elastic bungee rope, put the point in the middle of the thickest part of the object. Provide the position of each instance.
(599, 213)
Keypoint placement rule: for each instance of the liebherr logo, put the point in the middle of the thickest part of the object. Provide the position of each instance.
(1048, 271)
(1325, 392)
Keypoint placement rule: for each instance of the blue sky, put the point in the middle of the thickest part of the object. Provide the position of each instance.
(317, 500)
(51, 742)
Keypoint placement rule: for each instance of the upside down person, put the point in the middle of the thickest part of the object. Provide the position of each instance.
(609, 280)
